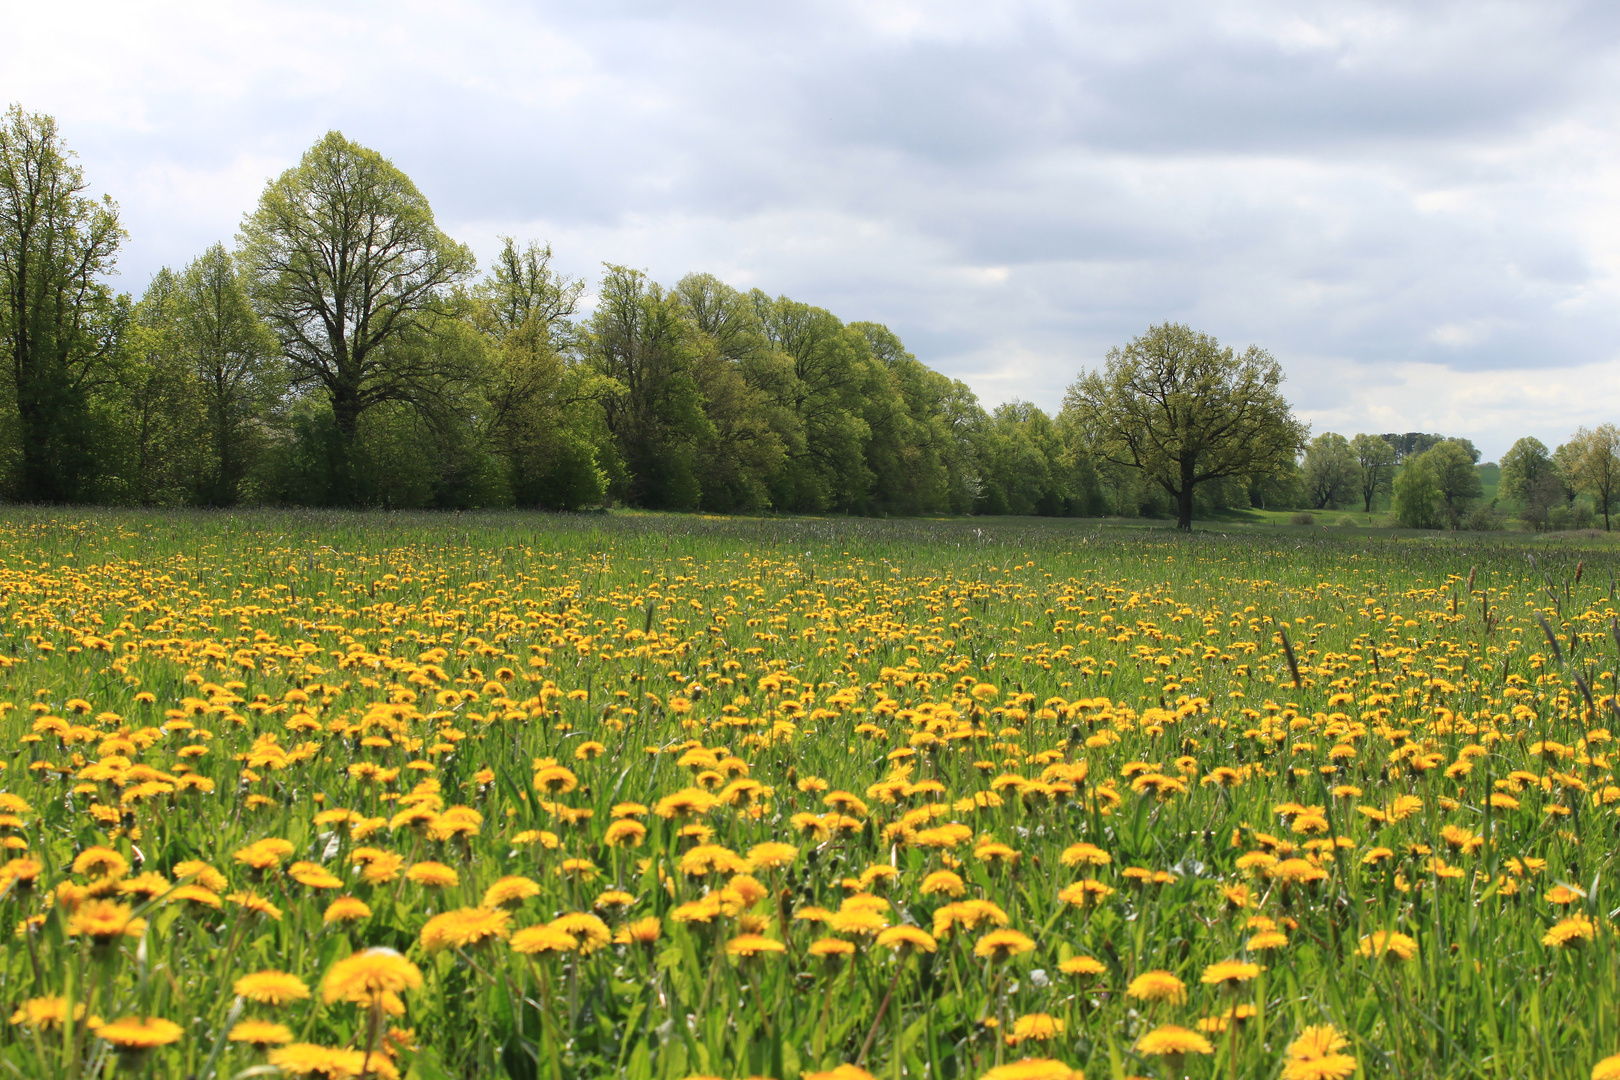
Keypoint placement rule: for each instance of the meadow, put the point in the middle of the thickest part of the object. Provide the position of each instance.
(341, 795)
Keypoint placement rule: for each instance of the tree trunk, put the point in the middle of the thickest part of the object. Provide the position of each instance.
(1184, 498)
(38, 477)
(346, 415)
(43, 424)
(224, 493)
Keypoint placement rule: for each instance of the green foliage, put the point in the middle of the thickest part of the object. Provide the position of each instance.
(1437, 487)
(534, 406)
(1417, 495)
(1022, 455)
(1411, 444)
(1525, 464)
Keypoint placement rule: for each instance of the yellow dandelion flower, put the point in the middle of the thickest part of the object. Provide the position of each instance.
(200, 873)
(536, 940)
(1001, 945)
(434, 875)
(44, 1013)
(254, 903)
(1034, 1069)
(1168, 1040)
(1038, 1027)
(640, 932)
(271, 987)
(1229, 973)
(1085, 855)
(1315, 1055)
(1388, 945)
(625, 833)
(346, 909)
(830, 947)
(772, 855)
(1157, 986)
(260, 1033)
(906, 939)
(857, 921)
(465, 927)
(100, 862)
(264, 854)
(591, 931)
(140, 1033)
(1570, 932)
(1083, 966)
(104, 920)
(364, 976)
(841, 1072)
(314, 876)
(753, 945)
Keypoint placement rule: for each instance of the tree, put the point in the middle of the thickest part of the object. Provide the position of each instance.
(641, 340)
(821, 388)
(734, 367)
(1595, 465)
(1332, 471)
(524, 292)
(1376, 460)
(1022, 457)
(346, 265)
(928, 462)
(1185, 411)
(158, 407)
(1409, 445)
(1455, 477)
(61, 322)
(1546, 493)
(1437, 486)
(1525, 463)
(232, 357)
(1417, 495)
(533, 394)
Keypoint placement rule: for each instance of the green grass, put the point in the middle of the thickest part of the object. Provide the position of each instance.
(822, 649)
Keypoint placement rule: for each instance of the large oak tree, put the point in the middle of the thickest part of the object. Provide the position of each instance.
(1186, 411)
(346, 265)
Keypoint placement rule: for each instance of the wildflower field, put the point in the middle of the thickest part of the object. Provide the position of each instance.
(350, 795)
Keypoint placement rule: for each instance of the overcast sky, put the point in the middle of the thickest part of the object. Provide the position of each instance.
(1414, 206)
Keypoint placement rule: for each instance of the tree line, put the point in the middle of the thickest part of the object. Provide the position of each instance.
(344, 351)
(1434, 482)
